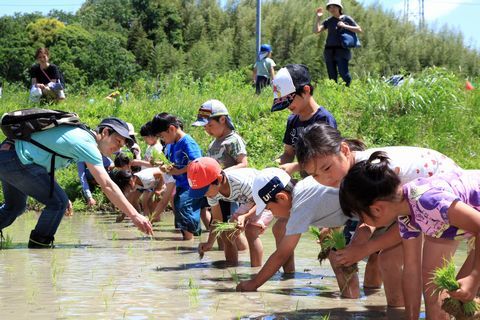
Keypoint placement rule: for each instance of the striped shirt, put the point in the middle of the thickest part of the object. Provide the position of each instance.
(241, 186)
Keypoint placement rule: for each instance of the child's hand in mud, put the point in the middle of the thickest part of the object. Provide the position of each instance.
(246, 286)
(204, 247)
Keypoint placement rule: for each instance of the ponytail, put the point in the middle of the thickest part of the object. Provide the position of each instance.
(366, 182)
(320, 139)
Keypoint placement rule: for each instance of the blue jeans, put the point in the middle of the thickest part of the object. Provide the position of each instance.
(187, 211)
(337, 58)
(20, 181)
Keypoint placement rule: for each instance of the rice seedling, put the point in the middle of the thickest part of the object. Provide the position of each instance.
(159, 159)
(445, 279)
(6, 242)
(193, 291)
(114, 236)
(335, 240)
(324, 250)
(235, 276)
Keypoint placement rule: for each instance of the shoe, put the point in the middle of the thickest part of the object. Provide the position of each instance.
(37, 241)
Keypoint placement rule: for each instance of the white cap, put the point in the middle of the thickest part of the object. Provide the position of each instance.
(131, 130)
(267, 185)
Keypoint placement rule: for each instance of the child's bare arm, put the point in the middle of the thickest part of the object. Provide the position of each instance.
(355, 252)
(277, 259)
(467, 218)
(216, 217)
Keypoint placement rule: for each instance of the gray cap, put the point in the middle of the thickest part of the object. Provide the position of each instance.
(119, 126)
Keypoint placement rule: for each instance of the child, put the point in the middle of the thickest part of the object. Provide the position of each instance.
(307, 203)
(228, 148)
(263, 71)
(206, 178)
(88, 182)
(327, 156)
(180, 150)
(154, 145)
(292, 89)
(440, 207)
(145, 183)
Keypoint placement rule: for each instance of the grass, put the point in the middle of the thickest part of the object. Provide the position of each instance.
(433, 110)
(7, 242)
(445, 279)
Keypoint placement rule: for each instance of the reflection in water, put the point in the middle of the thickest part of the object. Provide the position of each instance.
(106, 270)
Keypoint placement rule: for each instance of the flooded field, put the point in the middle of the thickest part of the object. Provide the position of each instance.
(106, 270)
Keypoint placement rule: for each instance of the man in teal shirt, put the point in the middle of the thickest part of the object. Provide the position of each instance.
(24, 171)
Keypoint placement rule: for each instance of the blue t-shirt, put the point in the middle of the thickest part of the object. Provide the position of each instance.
(69, 141)
(181, 153)
(295, 126)
(333, 37)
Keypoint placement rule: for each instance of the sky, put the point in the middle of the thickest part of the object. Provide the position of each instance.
(461, 15)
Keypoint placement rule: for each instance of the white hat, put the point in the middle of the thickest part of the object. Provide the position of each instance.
(287, 81)
(131, 130)
(335, 2)
(267, 185)
(210, 109)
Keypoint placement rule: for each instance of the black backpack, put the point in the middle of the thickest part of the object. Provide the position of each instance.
(20, 124)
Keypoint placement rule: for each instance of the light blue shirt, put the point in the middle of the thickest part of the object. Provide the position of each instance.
(72, 142)
(263, 67)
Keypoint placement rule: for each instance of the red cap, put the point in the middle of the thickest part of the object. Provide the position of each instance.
(201, 172)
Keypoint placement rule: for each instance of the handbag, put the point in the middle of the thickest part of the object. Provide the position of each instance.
(57, 87)
(348, 38)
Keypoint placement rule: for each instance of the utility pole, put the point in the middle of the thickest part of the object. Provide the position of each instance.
(259, 26)
(411, 15)
(421, 13)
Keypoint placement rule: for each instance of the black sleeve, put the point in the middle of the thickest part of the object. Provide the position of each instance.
(53, 72)
(34, 71)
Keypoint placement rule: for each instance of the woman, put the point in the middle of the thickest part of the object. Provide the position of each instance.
(46, 76)
(336, 56)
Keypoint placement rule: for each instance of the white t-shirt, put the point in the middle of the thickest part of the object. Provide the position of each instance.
(413, 162)
(241, 186)
(314, 204)
(147, 178)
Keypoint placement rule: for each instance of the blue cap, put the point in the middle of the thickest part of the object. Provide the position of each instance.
(265, 48)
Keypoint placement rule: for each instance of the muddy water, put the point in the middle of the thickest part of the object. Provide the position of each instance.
(106, 270)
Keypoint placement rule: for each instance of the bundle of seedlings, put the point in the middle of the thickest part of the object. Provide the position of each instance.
(335, 240)
(227, 228)
(444, 278)
(160, 160)
(324, 250)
